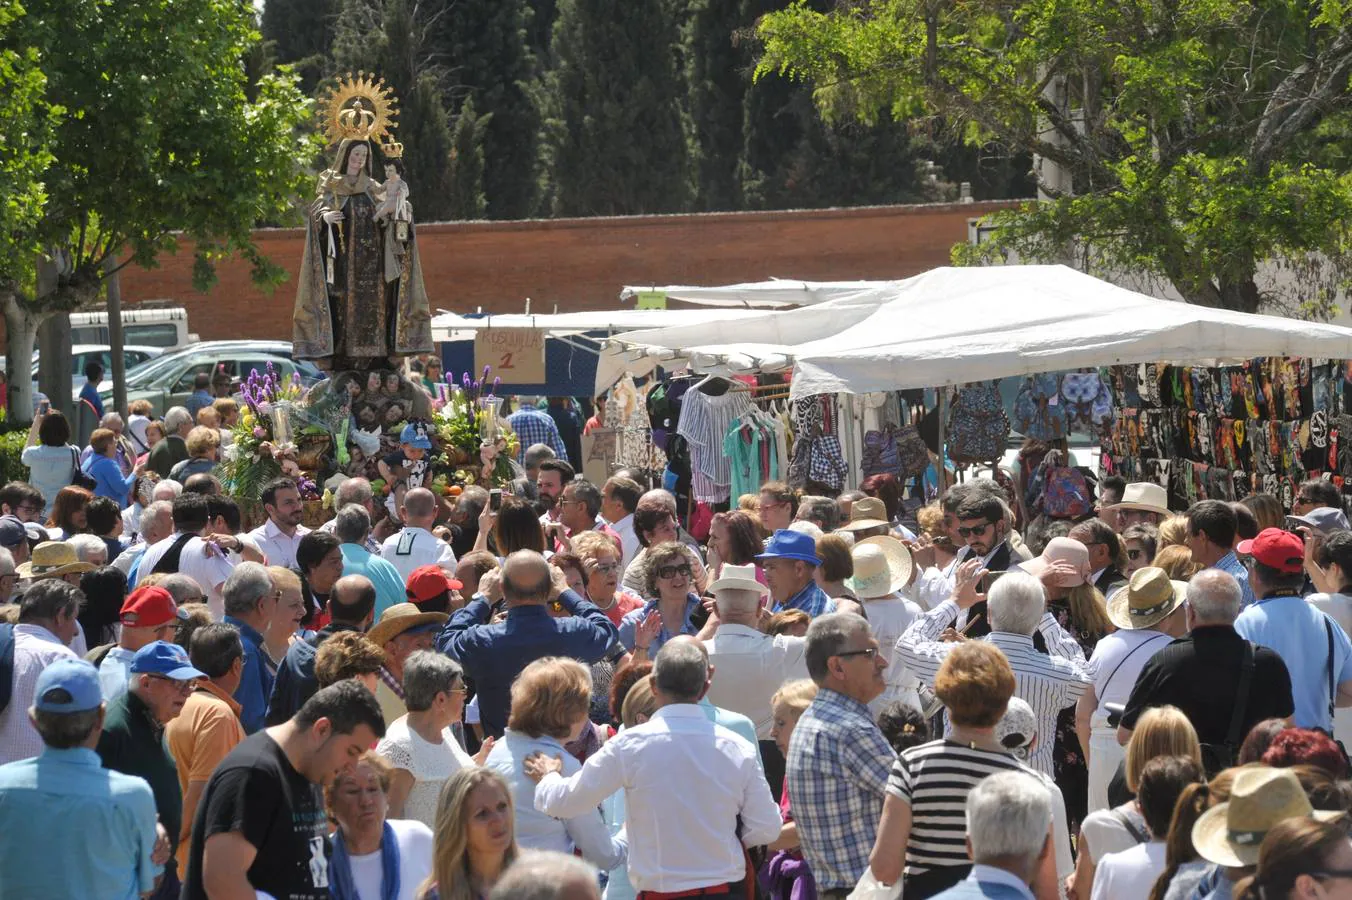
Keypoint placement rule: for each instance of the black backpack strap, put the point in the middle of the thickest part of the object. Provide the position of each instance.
(1235, 736)
(6, 664)
(168, 563)
(1138, 834)
(1333, 685)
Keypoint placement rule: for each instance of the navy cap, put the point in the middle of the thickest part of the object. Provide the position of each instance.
(68, 686)
(785, 544)
(12, 532)
(415, 435)
(164, 658)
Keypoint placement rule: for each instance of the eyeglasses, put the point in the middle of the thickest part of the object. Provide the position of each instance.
(673, 571)
(29, 509)
(870, 652)
(975, 529)
(606, 567)
(459, 690)
(182, 687)
(1135, 554)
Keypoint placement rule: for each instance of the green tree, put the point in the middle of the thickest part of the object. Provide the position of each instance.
(717, 74)
(157, 137)
(301, 33)
(384, 37)
(27, 121)
(1182, 140)
(484, 45)
(614, 139)
(467, 163)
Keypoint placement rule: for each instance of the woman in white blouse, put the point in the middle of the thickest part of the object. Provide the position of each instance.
(374, 857)
(420, 746)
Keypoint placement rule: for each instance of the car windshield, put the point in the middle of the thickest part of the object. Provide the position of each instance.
(140, 376)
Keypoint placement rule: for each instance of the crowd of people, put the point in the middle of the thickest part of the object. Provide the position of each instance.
(567, 694)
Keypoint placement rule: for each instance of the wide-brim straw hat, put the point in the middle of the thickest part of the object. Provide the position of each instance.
(740, 578)
(52, 560)
(867, 512)
(400, 618)
(1145, 496)
(1149, 598)
(882, 566)
(1230, 834)
(1062, 550)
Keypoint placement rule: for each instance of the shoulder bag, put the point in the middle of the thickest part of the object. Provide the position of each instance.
(1216, 758)
(79, 478)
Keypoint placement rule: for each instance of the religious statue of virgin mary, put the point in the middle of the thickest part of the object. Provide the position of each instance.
(360, 300)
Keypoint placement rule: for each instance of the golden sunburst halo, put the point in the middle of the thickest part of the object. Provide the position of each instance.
(359, 107)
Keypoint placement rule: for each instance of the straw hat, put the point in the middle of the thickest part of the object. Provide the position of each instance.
(402, 617)
(1149, 598)
(1062, 550)
(1229, 834)
(741, 578)
(882, 566)
(52, 560)
(867, 512)
(1146, 496)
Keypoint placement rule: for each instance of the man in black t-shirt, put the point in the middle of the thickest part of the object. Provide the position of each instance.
(260, 823)
(1200, 673)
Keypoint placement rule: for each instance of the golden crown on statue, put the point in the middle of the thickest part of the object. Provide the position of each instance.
(392, 150)
(359, 108)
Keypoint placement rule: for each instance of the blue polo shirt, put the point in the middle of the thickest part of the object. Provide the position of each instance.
(255, 683)
(382, 573)
(1295, 630)
(1231, 564)
(78, 829)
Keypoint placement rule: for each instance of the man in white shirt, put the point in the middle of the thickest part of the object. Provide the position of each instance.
(416, 546)
(358, 490)
(157, 523)
(686, 782)
(280, 535)
(192, 552)
(619, 499)
(1149, 614)
(46, 626)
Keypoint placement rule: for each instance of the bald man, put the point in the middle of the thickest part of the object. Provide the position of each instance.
(415, 546)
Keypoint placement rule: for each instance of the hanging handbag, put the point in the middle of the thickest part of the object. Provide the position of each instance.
(978, 428)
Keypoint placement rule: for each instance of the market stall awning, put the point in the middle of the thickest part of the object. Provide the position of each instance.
(954, 325)
(452, 327)
(777, 293)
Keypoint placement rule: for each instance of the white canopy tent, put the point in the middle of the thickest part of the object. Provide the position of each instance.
(777, 293)
(954, 325)
(452, 327)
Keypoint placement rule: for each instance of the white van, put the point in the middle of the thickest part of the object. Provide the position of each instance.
(149, 326)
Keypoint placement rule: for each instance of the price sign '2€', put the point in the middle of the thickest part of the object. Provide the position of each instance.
(517, 355)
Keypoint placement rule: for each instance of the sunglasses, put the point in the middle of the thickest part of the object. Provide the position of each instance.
(673, 571)
(1135, 554)
(975, 529)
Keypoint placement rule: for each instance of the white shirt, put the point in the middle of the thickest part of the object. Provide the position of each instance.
(115, 672)
(1337, 607)
(34, 649)
(685, 782)
(888, 619)
(279, 548)
(429, 764)
(202, 562)
(751, 666)
(1131, 873)
(1127, 652)
(415, 862)
(629, 545)
(127, 558)
(414, 547)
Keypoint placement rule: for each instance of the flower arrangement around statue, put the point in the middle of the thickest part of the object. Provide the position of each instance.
(478, 446)
(264, 442)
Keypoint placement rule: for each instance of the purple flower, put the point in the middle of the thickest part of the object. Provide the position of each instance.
(464, 379)
(259, 433)
(487, 369)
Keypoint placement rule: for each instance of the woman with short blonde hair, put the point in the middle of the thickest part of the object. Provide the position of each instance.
(1176, 559)
(550, 702)
(1161, 731)
(204, 445)
(1173, 532)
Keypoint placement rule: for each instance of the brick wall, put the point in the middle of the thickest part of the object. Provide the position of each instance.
(581, 264)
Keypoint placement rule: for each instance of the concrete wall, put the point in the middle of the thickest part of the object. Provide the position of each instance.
(581, 264)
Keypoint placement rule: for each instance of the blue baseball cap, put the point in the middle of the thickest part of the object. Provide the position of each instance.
(786, 544)
(415, 436)
(164, 658)
(68, 686)
(12, 532)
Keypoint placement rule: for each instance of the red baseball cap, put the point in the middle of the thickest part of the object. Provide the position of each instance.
(150, 607)
(1277, 549)
(428, 582)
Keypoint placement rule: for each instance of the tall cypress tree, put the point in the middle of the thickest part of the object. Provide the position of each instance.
(483, 44)
(718, 73)
(614, 139)
(301, 33)
(467, 163)
(382, 36)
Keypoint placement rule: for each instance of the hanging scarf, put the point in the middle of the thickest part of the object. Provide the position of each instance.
(341, 886)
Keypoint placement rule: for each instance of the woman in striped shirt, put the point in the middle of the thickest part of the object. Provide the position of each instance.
(923, 831)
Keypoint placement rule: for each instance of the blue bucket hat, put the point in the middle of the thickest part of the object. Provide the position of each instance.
(415, 435)
(68, 686)
(785, 544)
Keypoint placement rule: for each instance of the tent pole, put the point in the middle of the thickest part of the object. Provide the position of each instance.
(943, 437)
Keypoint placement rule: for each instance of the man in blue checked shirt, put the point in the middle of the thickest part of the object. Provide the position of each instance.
(839, 760)
(790, 561)
(534, 426)
(494, 653)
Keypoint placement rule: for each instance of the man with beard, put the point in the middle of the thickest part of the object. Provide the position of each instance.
(555, 474)
(280, 535)
(983, 524)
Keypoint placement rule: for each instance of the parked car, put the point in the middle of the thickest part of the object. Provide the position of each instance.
(158, 326)
(167, 381)
(83, 354)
